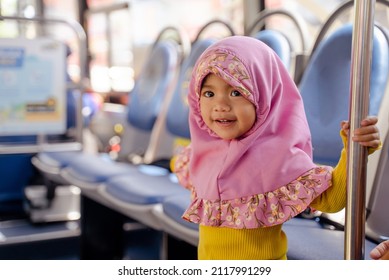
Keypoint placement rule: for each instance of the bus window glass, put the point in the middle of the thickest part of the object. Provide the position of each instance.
(67, 10)
(23, 8)
(120, 39)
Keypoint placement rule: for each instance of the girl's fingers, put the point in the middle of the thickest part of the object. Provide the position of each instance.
(368, 140)
(370, 120)
(381, 251)
(367, 131)
(344, 125)
(372, 144)
(367, 134)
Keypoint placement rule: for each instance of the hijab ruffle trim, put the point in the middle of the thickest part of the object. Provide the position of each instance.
(262, 210)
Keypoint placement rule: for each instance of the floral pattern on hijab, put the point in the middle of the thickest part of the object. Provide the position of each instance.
(232, 70)
(260, 210)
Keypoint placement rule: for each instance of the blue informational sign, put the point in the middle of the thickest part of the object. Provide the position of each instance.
(32, 86)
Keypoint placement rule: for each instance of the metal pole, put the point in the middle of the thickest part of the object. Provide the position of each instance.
(362, 46)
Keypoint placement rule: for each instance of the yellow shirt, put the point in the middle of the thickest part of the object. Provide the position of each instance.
(222, 243)
(270, 243)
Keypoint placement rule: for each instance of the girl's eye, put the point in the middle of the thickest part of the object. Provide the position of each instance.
(208, 94)
(235, 93)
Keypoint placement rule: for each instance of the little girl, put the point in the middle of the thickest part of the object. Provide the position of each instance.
(249, 164)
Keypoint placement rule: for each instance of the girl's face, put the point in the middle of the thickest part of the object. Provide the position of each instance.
(224, 110)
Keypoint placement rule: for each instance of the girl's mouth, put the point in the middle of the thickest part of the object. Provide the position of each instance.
(224, 122)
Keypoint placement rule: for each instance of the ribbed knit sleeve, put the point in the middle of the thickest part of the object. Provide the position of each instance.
(334, 199)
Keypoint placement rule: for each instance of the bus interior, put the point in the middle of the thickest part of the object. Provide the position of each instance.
(91, 119)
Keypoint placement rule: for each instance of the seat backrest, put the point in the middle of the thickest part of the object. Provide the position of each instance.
(278, 42)
(152, 85)
(177, 116)
(325, 89)
(172, 123)
(145, 102)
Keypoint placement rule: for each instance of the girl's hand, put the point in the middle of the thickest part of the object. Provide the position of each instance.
(367, 134)
(381, 252)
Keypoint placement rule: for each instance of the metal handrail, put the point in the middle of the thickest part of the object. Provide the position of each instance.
(229, 28)
(179, 36)
(259, 23)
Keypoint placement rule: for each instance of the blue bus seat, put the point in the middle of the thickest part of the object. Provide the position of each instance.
(49, 163)
(164, 134)
(147, 97)
(278, 42)
(169, 214)
(308, 240)
(291, 49)
(178, 112)
(325, 90)
(135, 195)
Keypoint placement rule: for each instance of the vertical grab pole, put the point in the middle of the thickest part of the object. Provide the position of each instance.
(361, 53)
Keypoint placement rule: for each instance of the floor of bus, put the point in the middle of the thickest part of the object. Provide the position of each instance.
(106, 234)
(20, 239)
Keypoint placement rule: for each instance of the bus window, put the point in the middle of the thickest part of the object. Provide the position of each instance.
(117, 60)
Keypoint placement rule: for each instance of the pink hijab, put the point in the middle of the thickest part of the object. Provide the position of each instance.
(275, 151)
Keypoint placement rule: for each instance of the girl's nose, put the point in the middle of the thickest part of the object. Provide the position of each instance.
(221, 105)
